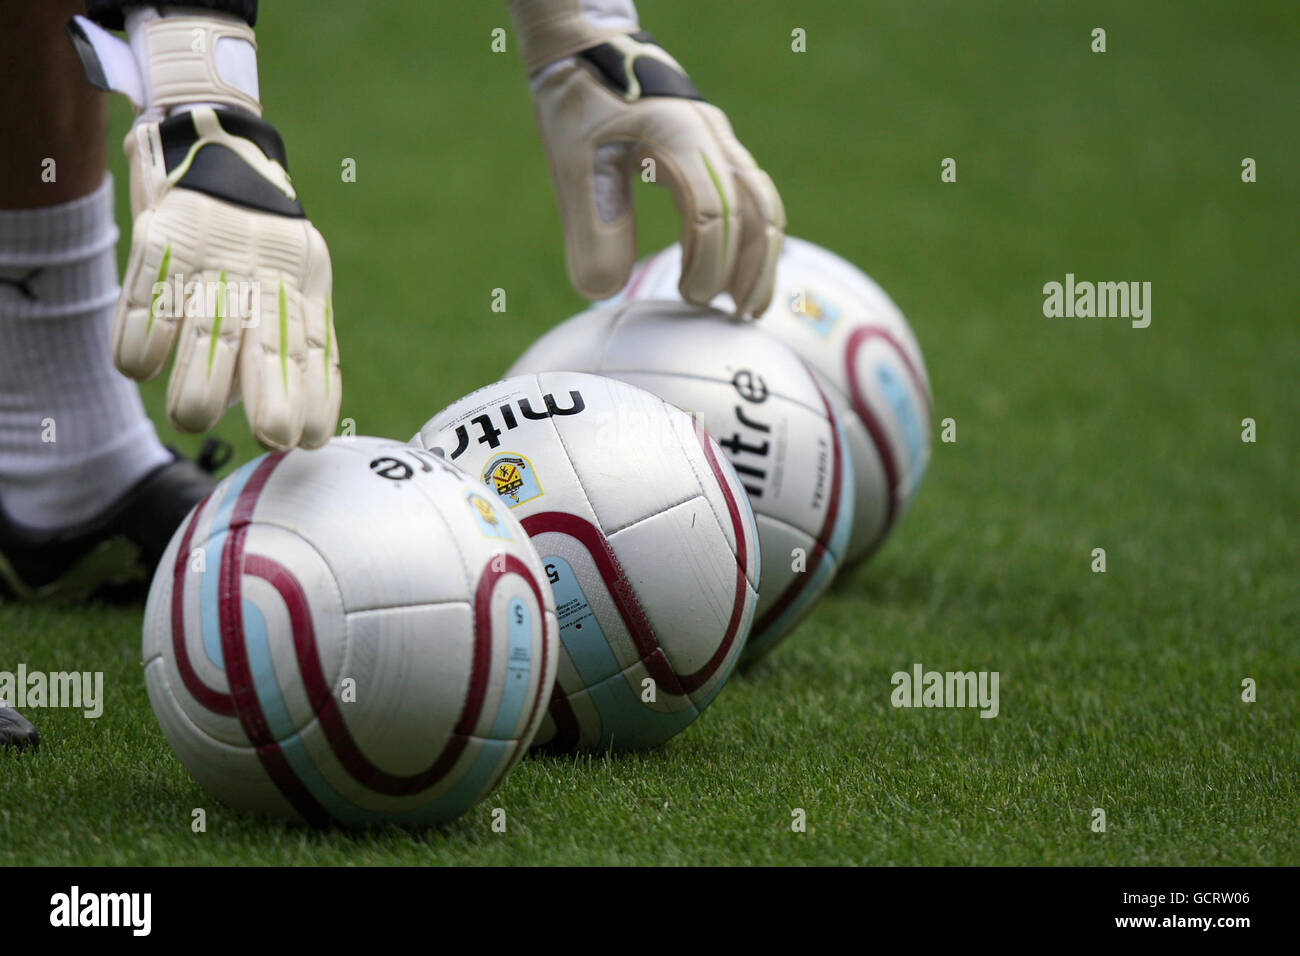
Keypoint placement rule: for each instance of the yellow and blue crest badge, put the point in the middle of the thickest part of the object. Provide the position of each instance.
(818, 313)
(513, 478)
(486, 517)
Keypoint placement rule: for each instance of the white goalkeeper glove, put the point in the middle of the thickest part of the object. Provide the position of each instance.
(223, 263)
(607, 98)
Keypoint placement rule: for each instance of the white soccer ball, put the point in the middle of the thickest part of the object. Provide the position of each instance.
(761, 404)
(356, 634)
(645, 536)
(864, 352)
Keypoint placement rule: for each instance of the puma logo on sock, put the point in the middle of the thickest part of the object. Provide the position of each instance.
(23, 283)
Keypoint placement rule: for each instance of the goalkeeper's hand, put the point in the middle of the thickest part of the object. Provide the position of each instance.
(613, 104)
(223, 263)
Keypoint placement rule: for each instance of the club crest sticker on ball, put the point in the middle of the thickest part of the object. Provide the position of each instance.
(645, 537)
(766, 411)
(357, 634)
(844, 325)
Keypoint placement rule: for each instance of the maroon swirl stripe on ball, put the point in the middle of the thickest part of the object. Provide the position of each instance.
(567, 729)
(213, 700)
(620, 589)
(323, 702)
(874, 426)
(239, 674)
(625, 599)
(483, 609)
(218, 702)
(742, 562)
(482, 614)
(819, 552)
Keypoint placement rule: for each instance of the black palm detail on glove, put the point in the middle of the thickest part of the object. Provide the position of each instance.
(653, 77)
(220, 172)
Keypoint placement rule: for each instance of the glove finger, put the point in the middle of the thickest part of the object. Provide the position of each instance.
(151, 305)
(206, 352)
(322, 381)
(698, 173)
(762, 230)
(271, 362)
(762, 218)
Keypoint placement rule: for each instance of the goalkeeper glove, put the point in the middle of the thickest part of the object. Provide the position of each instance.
(217, 218)
(608, 98)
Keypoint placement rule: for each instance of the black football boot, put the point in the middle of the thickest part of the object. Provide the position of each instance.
(16, 730)
(111, 556)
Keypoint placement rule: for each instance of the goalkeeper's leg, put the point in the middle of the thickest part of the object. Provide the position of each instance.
(88, 494)
(73, 434)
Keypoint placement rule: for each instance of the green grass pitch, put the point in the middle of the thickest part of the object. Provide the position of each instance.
(1120, 691)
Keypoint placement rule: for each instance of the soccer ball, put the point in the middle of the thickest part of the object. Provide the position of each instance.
(354, 634)
(761, 404)
(645, 536)
(855, 338)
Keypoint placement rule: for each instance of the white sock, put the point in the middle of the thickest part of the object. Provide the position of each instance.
(58, 283)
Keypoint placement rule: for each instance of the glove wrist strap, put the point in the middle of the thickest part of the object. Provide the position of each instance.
(548, 30)
(184, 58)
(172, 62)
